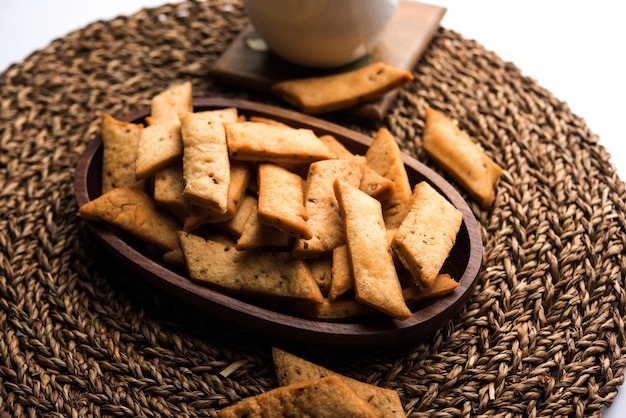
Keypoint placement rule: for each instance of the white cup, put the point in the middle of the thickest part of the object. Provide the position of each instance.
(320, 33)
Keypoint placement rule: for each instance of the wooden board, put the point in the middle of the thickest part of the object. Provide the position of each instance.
(402, 43)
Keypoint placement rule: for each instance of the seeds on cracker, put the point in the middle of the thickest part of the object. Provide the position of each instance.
(375, 278)
(256, 273)
(457, 153)
(281, 200)
(427, 234)
(329, 93)
(119, 152)
(255, 141)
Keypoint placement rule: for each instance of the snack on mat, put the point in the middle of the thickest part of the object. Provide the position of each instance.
(324, 397)
(292, 369)
(329, 93)
(461, 157)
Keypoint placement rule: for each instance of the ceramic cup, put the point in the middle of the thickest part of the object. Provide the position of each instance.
(320, 33)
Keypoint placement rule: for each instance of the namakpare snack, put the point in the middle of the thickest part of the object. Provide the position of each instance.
(275, 213)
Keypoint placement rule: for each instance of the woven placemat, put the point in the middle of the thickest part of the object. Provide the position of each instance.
(79, 336)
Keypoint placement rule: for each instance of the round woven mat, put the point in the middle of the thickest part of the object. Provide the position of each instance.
(542, 336)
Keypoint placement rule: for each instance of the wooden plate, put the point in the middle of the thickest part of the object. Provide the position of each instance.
(370, 334)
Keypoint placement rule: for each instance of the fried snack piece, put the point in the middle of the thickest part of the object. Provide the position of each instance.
(320, 202)
(461, 157)
(333, 92)
(168, 190)
(159, 146)
(375, 278)
(442, 285)
(323, 398)
(256, 235)
(372, 183)
(235, 225)
(206, 165)
(256, 141)
(165, 106)
(119, 152)
(322, 269)
(160, 143)
(292, 369)
(341, 278)
(254, 273)
(268, 121)
(385, 158)
(240, 174)
(427, 234)
(135, 212)
(344, 308)
(281, 202)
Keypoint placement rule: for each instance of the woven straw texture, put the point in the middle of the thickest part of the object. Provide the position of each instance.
(79, 336)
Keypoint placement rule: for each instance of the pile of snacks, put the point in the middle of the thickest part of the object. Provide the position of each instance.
(253, 207)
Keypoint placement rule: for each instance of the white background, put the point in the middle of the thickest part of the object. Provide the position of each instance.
(574, 49)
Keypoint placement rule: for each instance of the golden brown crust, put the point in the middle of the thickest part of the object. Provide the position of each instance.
(461, 157)
(317, 95)
(427, 234)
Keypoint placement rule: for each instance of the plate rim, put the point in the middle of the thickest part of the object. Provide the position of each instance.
(374, 334)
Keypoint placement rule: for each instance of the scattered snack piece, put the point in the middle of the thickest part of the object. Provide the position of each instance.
(292, 369)
(255, 141)
(325, 397)
(256, 273)
(385, 158)
(424, 239)
(135, 212)
(119, 152)
(329, 93)
(256, 235)
(321, 205)
(281, 200)
(206, 164)
(461, 157)
(168, 190)
(375, 279)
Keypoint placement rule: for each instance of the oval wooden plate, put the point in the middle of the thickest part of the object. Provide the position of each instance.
(370, 334)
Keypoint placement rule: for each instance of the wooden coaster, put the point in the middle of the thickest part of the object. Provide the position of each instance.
(249, 65)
